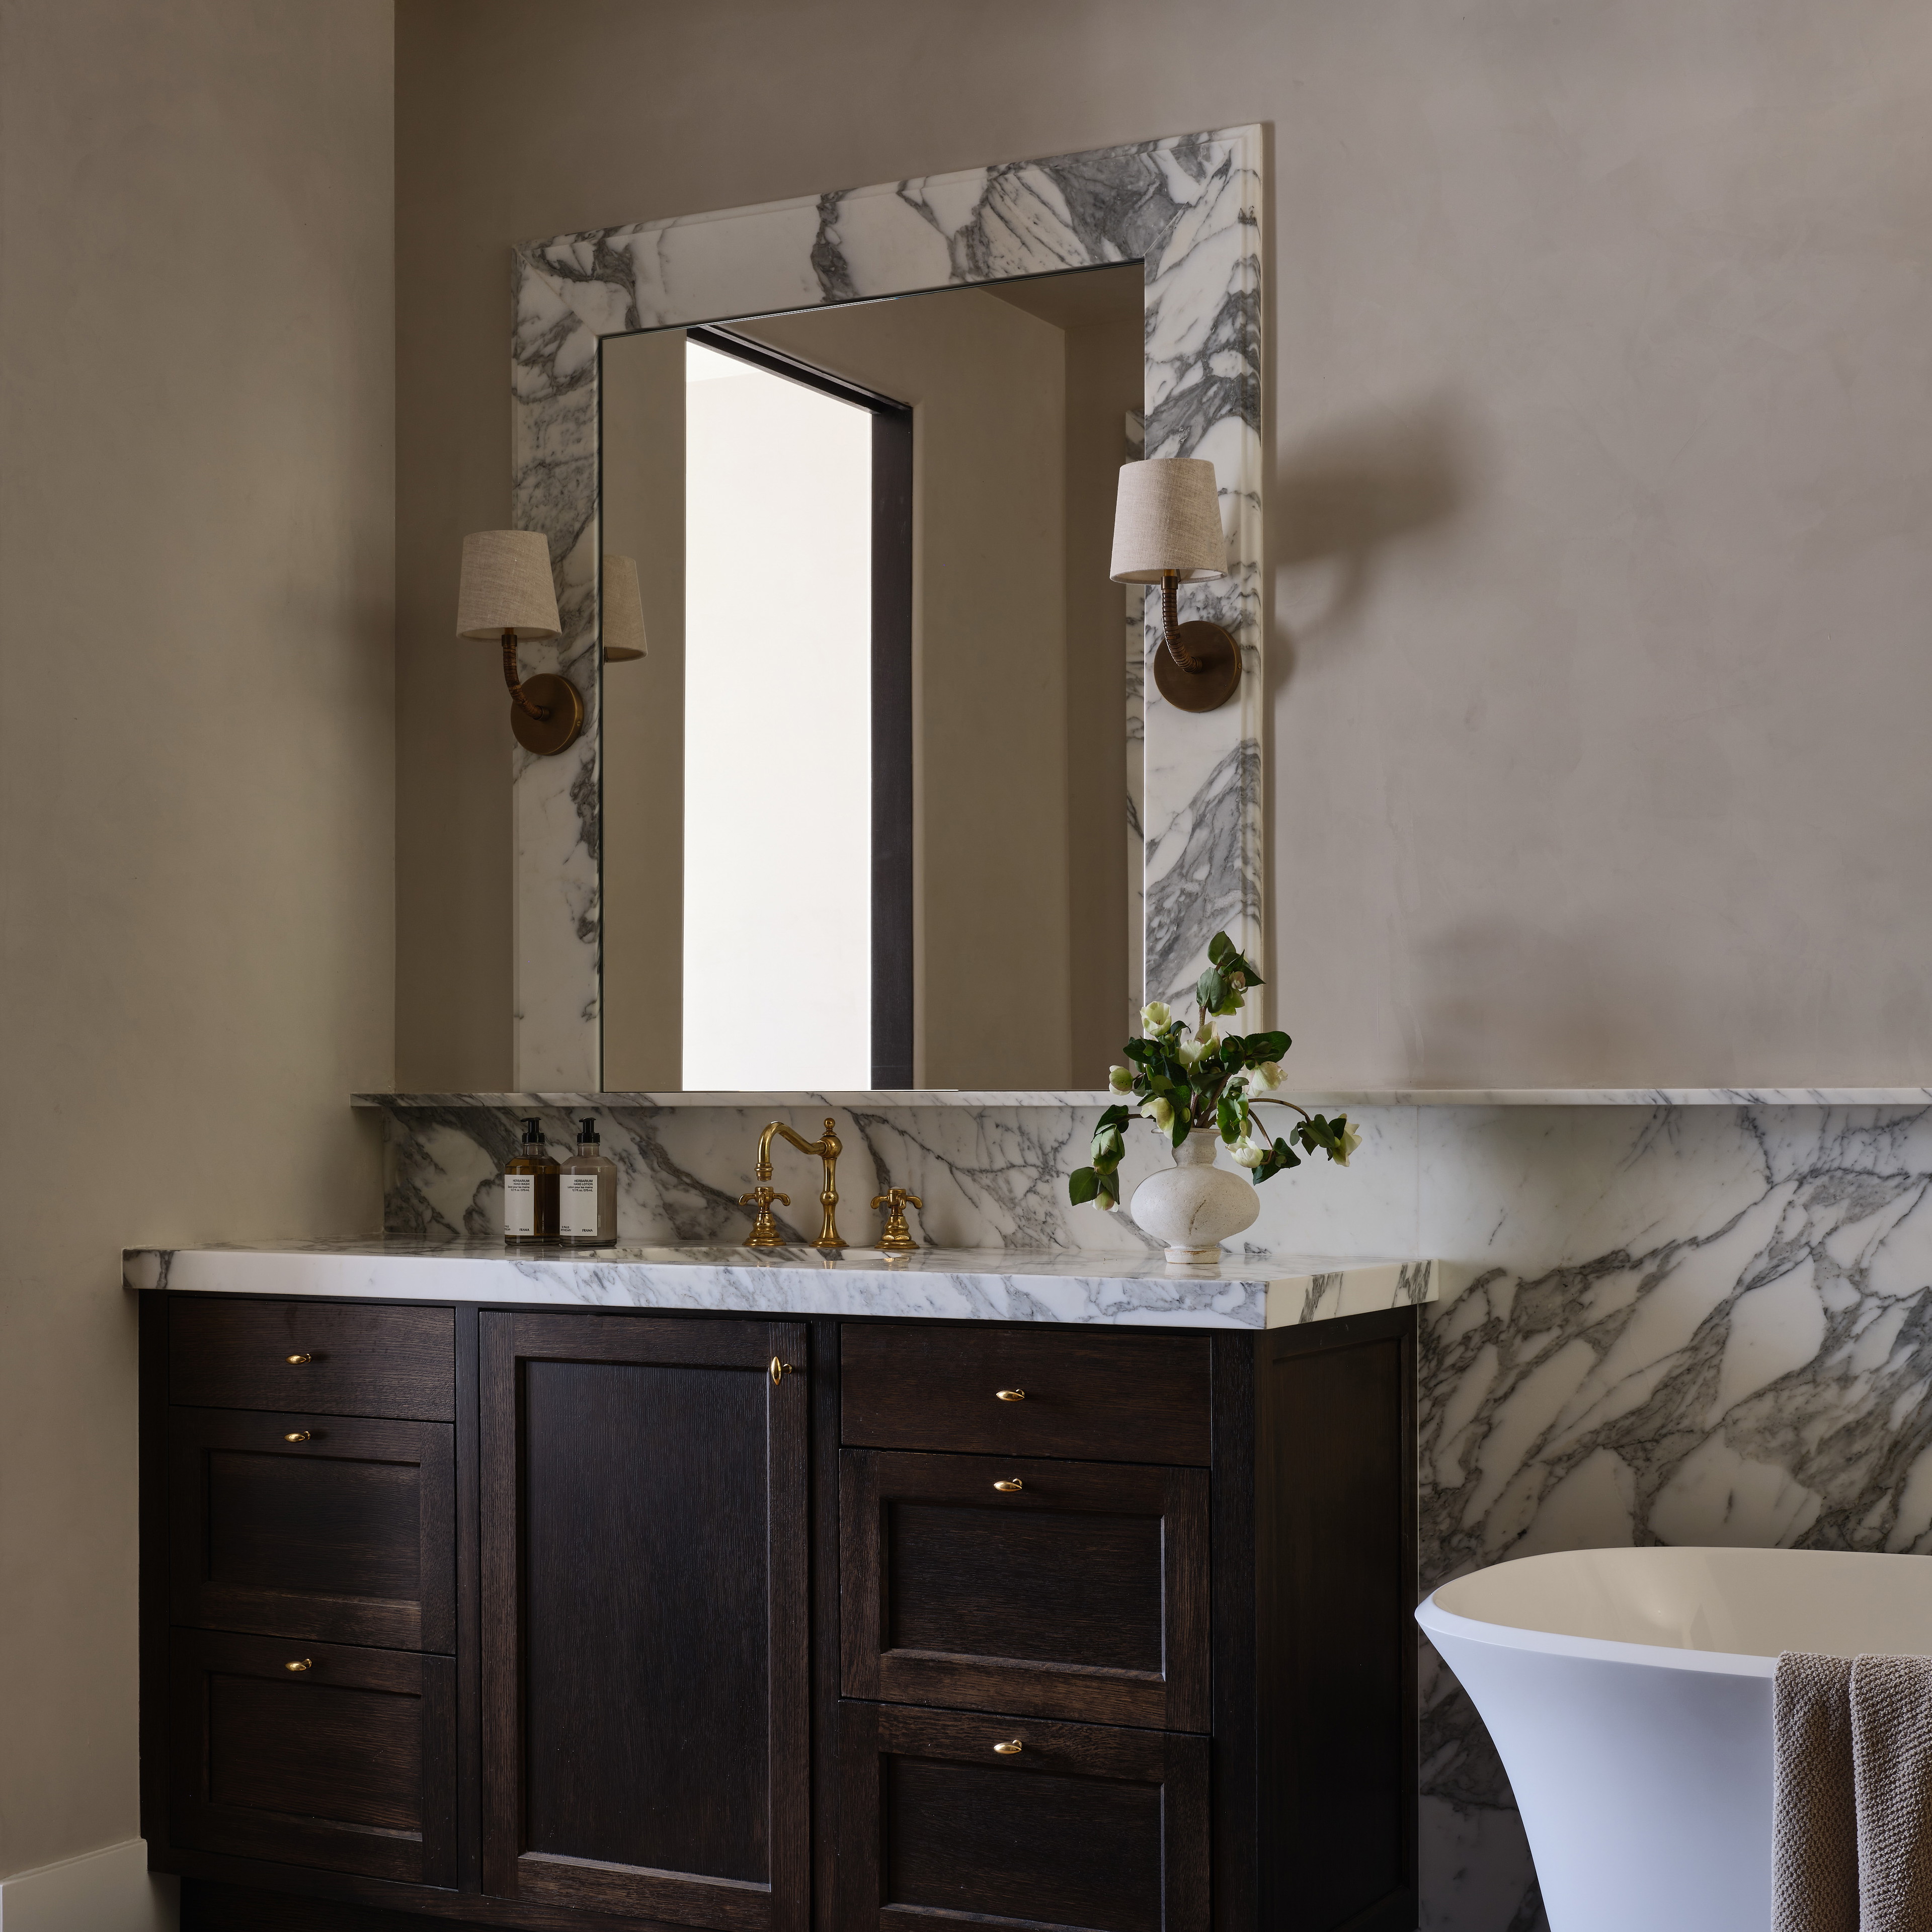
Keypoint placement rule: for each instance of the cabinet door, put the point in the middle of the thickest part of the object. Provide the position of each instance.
(329, 1527)
(1075, 1590)
(315, 1754)
(644, 1617)
(1081, 1828)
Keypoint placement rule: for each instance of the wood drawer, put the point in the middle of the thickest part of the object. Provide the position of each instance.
(1080, 1595)
(1084, 1827)
(1106, 1396)
(348, 1765)
(346, 1537)
(363, 1358)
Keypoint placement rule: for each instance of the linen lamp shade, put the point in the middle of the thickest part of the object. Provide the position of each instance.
(623, 610)
(506, 586)
(1168, 517)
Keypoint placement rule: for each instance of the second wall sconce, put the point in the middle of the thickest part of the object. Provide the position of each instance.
(623, 610)
(1167, 528)
(506, 593)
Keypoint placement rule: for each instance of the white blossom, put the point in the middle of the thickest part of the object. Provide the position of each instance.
(1120, 1079)
(1159, 1110)
(1351, 1140)
(1247, 1154)
(1155, 1016)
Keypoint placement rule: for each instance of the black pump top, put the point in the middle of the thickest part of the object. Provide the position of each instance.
(532, 1130)
(587, 1131)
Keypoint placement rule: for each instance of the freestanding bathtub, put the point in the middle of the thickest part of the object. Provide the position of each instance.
(1629, 1693)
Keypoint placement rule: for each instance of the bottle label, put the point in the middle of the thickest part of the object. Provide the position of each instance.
(576, 1206)
(520, 1205)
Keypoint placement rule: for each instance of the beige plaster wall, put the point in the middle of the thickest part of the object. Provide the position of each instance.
(1599, 587)
(196, 815)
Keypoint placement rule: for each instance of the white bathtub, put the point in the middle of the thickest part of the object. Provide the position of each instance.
(1629, 1692)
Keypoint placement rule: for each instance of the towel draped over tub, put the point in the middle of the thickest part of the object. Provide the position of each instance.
(1852, 1833)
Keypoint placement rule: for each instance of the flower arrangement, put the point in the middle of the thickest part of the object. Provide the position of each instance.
(1184, 1077)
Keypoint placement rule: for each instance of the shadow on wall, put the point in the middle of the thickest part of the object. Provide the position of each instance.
(1342, 496)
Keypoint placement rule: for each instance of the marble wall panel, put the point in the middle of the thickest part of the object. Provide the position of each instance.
(1682, 1324)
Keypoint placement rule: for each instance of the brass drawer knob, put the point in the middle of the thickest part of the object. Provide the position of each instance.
(296, 1361)
(300, 1664)
(300, 1435)
(1011, 1748)
(1011, 1395)
(1007, 1484)
(779, 1370)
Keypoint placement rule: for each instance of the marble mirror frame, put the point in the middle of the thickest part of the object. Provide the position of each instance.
(1190, 206)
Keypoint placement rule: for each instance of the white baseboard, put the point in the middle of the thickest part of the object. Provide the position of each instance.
(106, 1891)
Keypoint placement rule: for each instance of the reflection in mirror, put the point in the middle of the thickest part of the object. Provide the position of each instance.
(866, 800)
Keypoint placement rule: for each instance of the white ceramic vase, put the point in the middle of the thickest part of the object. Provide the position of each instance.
(1194, 1206)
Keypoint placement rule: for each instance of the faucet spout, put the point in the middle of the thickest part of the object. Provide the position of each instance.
(828, 1146)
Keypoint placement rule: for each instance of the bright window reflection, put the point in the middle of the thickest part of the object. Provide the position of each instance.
(778, 731)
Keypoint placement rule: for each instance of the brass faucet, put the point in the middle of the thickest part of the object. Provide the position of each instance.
(828, 1146)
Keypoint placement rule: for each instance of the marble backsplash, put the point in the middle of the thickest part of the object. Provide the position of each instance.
(1658, 1323)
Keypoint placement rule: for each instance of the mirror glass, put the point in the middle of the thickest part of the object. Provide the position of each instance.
(866, 799)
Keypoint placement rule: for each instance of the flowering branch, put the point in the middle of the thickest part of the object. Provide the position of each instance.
(1183, 1077)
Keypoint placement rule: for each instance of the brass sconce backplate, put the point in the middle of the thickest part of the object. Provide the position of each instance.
(563, 703)
(1211, 686)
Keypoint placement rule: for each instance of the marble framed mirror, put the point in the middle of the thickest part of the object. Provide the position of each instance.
(1187, 210)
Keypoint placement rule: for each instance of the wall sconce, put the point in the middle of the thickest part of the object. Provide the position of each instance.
(623, 610)
(506, 593)
(1167, 526)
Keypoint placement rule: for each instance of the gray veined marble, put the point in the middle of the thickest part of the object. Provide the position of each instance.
(1190, 206)
(1684, 1317)
(954, 1284)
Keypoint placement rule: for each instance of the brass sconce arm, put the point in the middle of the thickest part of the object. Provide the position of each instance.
(828, 1146)
(514, 680)
(1170, 623)
(548, 713)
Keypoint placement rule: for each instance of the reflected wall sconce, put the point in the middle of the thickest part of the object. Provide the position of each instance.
(1167, 529)
(506, 593)
(623, 610)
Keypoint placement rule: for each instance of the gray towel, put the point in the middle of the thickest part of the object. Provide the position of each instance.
(1851, 1841)
(1814, 1832)
(1892, 1757)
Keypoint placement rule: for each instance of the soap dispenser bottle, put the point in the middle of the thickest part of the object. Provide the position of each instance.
(587, 1193)
(530, 1190)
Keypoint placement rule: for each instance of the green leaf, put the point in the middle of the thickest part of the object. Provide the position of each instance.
(1181, 1124)
(1211, 989)
(1082, 1184)
(1115, 1117)
(1219, 947)
(1227, 1118)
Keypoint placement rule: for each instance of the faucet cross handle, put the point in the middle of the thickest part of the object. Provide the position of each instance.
(897, 1238)
(764, 1229)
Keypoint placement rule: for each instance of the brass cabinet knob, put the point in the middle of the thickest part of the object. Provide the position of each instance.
(779, 1370)
(300, 1664)
(299, 1435)
(1011, 1748)
(1007, 1484)
(296, 1361)
(1010, 1395)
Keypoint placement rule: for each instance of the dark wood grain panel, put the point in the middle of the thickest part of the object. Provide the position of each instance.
(1082, 1594)
(1335, 1558)
(1084, 1827)
(349, 1764)
(1104, 1396)
(645, 1742)
(347, 1536)
(365, 1357)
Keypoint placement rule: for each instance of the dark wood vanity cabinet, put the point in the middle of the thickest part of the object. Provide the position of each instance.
(565, 1618)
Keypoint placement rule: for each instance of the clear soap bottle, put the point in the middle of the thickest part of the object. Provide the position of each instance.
(587, 1193)
(530, 1191)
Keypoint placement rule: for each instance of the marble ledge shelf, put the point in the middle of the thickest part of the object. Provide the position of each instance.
(988, 1284)
(883, 1100)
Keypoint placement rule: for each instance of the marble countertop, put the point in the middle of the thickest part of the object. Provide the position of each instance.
(991, 1284)
(880, 1100)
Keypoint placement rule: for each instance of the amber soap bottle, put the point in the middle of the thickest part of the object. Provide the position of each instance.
(530, 1190)
(587, 1193)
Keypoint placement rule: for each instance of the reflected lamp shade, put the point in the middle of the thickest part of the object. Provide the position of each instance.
(623, 610)
(1168, 517)
(506, 586)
